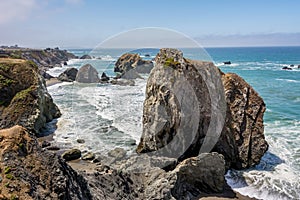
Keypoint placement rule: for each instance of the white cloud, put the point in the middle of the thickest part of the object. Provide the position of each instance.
(11, 10)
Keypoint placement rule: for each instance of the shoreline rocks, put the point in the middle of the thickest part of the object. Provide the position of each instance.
(69, 75)
(130, 65)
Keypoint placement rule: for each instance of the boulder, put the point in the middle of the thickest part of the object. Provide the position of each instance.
(298, 66)
(24, 98)
(72, 154)
(69, 75)
(86, 57)
(34, 173)
(204, 173)
(128, 62)
(178, 112)
(87, 74)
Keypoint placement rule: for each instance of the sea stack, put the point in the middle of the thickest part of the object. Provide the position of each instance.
(241, 141)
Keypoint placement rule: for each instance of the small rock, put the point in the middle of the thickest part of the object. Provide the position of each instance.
(65, 63)
(72, 154)
(287, 68)
(117, 153)
(53, 148)
(88, 156)
(80, 141)
(298, 66)
(97, 160)
(227, 63)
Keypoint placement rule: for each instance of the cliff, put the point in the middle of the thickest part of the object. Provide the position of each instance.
(24, 97)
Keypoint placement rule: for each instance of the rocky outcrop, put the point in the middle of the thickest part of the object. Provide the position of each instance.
(133, 64)
(87, 74)
(24, 97)
(180, 106)
(28, 172)
(69, 75)
(86, 57)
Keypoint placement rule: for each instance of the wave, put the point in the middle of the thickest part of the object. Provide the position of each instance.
(288, 80)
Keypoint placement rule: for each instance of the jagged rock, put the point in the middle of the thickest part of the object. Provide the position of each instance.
(132, 63)
(65, 63)
(24, 98)
(104, 77)
(32, 173)
(88, 156)
(245, 121)
(86, 57)
(72, 154)
(87, 74)
(168, 99)
(69, 75)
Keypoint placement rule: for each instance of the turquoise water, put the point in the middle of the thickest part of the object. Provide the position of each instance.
(107, 116)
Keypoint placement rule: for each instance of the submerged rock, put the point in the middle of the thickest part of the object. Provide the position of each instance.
(24, 98)
(178, 100)
(69, 75)
(87, 74)
(227, 63)
(287, 68)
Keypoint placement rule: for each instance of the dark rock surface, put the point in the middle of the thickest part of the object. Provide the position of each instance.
(241, 141)
(28, 172)
(24, 97)
(87, 74)
(69, 75)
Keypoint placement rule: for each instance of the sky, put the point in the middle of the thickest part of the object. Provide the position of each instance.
(86, 23)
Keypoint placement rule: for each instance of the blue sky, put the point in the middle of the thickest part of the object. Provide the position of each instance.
(85, 23)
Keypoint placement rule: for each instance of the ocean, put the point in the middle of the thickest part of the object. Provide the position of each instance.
(108, 116)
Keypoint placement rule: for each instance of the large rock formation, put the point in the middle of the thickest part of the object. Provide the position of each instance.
(87, 74)
(178, 112)
(24, 98)
(28, 172)
(129, 65)
(69, 75)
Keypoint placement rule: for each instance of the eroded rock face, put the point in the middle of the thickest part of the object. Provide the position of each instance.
(24, 97)
(27, 172)
(178, 99)
(87, 74)
(69, 75)
(246, 109)
(132, 64)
